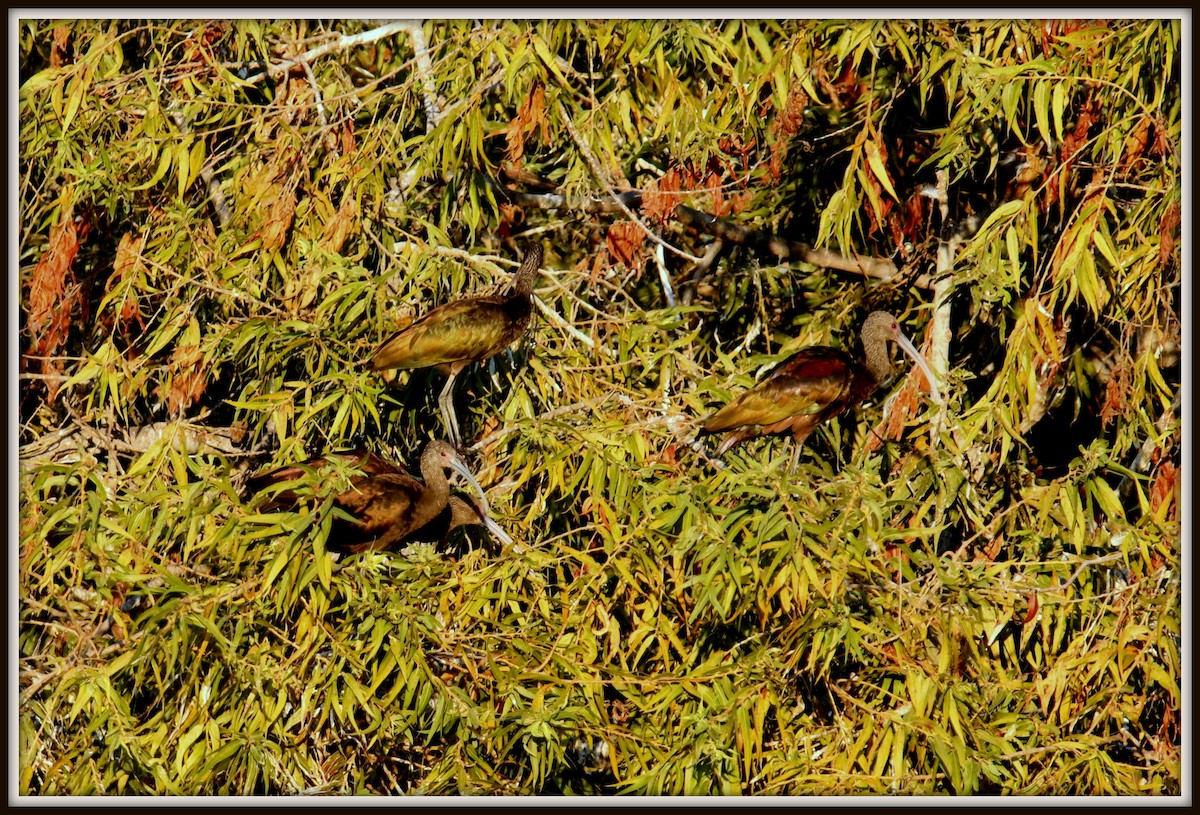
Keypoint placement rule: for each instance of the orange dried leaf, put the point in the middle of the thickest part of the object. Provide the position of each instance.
(61, 46)
(531, 115)
(1163, 490)
(278, 221)
(625, 240)
(187, 382)
(1115, 391)
(1032, 609)
(348, 142)
(47, 286)
(1136, 143)
(659, 202)
(1167, 230)
(341, 226)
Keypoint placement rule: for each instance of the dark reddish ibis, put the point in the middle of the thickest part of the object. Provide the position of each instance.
(812, 386)
(389, 505)
(454, 335)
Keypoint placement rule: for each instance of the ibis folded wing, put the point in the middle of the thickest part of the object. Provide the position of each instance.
(456, 332)
(806, 383)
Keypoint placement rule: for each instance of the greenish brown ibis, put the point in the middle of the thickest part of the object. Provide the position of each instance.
(390, 506)
(814, 385)
(452, 336)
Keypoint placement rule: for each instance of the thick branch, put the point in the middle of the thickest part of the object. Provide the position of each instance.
(339, 44)
(66, 445)
(724, 229)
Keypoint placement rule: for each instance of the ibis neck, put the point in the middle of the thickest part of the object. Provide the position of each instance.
(878, 361)
(523, 280)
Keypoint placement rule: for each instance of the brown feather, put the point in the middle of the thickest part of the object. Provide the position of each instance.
(468, 330)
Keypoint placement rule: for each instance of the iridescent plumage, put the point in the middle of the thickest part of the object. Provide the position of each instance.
(452, 336)
(813, 386)
(390, 506)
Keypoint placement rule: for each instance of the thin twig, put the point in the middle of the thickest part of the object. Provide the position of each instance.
(939, 355)
(1097, 561)
(665, 277)
(316, 89)
(556, 318)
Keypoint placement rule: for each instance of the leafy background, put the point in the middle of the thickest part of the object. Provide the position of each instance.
(220, 220)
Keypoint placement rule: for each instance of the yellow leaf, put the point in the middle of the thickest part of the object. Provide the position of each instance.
(196, 160)
(164, 164)
(182, 163)
(1041, 109)
(539, 48)
(78, 88)
(876, 163)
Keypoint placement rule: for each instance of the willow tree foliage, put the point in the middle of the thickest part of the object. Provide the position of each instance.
(219, 221)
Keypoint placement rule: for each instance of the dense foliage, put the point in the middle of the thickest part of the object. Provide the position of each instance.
(221, 220)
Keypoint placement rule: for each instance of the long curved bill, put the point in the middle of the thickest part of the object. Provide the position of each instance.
(482, 505)
(906, 345)
(461, 468)
(496, 532)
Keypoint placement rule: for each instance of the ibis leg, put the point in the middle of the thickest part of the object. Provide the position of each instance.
(446, 403)
(796, 445)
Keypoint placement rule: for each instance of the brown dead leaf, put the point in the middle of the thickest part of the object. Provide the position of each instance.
(128, 262)
(1031, 609)
(50, 302)
(720, 206)
(662, 197)
(1136, 143)
(60, 48)
(1167, 230)
(348, 142)
(625, 241)
(342, 225)
(278, 221)
(186, 382)
(1118, 387)
(786, 125)
(530, 116)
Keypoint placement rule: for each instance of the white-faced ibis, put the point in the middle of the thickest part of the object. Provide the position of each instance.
(454, 335)
(812, 386)
(389, 505)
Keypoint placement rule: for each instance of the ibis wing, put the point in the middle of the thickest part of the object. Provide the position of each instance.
(462, 330)
(381, 505)
(803, 384)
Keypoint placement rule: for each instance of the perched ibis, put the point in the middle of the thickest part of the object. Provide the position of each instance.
(455, 334)
(812, 386)
(390, 505)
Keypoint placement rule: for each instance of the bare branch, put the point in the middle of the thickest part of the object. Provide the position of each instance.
(665, 277)
(341, 43)
(424, 72)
